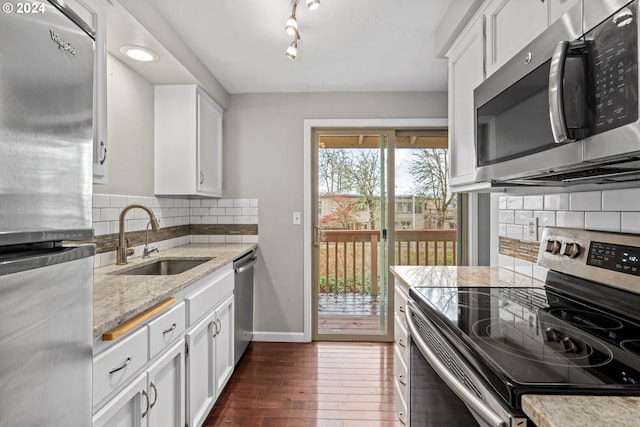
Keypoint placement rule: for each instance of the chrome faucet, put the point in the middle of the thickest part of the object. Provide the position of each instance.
(123, 250)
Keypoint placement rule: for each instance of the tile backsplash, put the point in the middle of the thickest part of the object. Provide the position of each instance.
(606, 210)
(230, 217)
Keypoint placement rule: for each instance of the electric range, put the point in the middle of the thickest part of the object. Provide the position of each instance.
(579, 334)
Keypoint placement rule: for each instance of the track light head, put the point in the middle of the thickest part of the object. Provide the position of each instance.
(313, 4)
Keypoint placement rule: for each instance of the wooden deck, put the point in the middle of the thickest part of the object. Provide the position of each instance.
(353, 314)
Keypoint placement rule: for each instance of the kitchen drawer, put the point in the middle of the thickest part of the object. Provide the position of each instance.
(401, 373)
(400, 337)
(210, 293)
(114, 366)
(400, 406)
(166, 328)
(400, 303)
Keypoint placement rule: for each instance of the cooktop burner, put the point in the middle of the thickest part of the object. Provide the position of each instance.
(632, 346)
(587, 319)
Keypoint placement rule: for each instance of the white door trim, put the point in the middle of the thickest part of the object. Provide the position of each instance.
(309, 125)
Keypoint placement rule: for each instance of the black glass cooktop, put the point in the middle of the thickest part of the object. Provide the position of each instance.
(524, 340)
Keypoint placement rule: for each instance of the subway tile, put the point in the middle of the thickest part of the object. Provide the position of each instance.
(133, 200)
(602, 221)
(200, 238)
(522, 217)
(514, 202)
(101, 228)
(540, 273)
(545, 218)
(507, 217)
(218, 238)
(502, 202)
(533, 202)
(506, 261)
(626, 199)
(523, 267)
(570, 219)
(233, 211)
(217, 211)
(556, 202)
(225, 220)
(233, 239)
(586, 201)
(502, 230)
(250, 239)
(95, 214)
(109, 214)
(631, 222)
(225, 203)
(250, 211)
(254, 220)
(200, 211)
(209, 203)
(195, 220)
(241, 203)
(195, 203)
(515, 231)
(209, 220)
(242, 219)
(253, 203)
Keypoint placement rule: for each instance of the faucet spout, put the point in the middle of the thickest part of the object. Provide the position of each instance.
(122, 251)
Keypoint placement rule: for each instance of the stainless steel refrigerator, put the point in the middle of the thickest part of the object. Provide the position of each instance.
(46, 286)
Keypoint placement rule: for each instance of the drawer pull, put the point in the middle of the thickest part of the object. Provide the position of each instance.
(155, 394)
(401, 343)
(402, 380)
(124, 365)
(171, 329)
(146, 396)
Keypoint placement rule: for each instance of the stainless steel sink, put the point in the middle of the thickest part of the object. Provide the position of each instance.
(164, 267)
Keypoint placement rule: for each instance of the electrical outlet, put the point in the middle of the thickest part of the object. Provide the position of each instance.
(531, 230)
(296, 218)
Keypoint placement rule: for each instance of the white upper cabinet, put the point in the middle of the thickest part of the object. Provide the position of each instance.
(511, 25)
(466, 60)
(94, 13)
(188, 142)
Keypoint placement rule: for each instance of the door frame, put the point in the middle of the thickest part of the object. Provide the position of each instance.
(309, 126)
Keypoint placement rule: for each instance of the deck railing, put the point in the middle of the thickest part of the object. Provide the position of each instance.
(349, 259)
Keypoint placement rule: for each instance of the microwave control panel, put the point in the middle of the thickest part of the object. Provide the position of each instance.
(613, 70)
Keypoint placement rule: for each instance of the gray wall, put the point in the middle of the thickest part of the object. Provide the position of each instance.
(263, 143)
(130, 132)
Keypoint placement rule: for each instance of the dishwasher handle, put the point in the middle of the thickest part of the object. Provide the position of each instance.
(241, 268)
(476, 405)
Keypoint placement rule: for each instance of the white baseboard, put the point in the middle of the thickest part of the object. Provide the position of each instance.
(279, 337)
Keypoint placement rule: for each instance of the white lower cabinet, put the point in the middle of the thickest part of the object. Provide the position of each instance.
(209, 361)
(170, 371)
(154, 398)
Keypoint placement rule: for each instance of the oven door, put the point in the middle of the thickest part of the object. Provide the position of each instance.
(444, 389)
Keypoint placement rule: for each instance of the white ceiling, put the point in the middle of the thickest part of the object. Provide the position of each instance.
(346, 45)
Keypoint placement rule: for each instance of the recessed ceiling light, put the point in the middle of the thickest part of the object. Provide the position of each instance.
(139, 53)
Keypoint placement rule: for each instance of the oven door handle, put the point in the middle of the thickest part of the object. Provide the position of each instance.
(472, 401)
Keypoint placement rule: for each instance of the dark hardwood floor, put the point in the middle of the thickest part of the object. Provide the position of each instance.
(317, 384)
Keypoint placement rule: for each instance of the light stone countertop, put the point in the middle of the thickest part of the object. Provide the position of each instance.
(118, 298)
(544, 410)
(409, 276)
(579, 411)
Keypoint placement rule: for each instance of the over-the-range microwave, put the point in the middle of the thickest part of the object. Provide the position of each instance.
(565, 109)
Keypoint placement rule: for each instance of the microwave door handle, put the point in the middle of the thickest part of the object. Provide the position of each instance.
(475, 404)
(556, 106)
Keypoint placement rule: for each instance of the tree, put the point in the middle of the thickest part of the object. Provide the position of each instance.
(430, 171)
(364, 179)
(333, 164)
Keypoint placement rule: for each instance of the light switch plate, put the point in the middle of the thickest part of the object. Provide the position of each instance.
(531, 230)
(296, 218)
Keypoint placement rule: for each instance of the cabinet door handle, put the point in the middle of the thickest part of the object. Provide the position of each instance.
(401, 343)
(171, 329)
(400, 379)
(218, 327)
(146, 396)
(201, 177)
(103, 149)
(155, 394)
(124, 365)
(402, 419)
(401, 309)
(215, 325)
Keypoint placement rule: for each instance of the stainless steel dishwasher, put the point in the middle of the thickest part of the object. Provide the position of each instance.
(243, 292)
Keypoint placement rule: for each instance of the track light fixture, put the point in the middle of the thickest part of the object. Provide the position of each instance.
(291, 26)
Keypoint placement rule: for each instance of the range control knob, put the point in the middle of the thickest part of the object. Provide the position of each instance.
(571, 250)
(553, 246)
